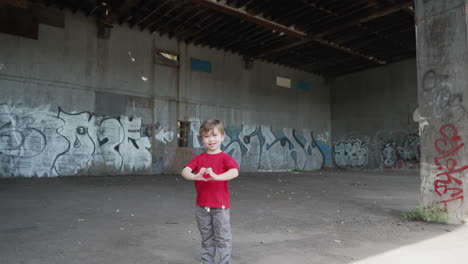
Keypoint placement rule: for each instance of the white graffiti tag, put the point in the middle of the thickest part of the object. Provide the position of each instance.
(262, 148)
(389, 156)
(351, 153)
(165, 135)
(135, 149)
(111, 134)
(37, 142)
(79, 130)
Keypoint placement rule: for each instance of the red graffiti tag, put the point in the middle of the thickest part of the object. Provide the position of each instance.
(447, 146)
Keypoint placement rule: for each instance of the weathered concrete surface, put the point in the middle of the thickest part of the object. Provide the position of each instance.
(316, 217)
(73, 104)
(372, 116)
(442, 58)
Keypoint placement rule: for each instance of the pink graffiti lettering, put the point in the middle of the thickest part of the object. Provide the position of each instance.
(447, 146)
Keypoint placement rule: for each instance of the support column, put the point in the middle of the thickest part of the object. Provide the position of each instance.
(442, 66)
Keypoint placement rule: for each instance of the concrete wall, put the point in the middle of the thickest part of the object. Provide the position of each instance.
(73, 104)
(268, 127)
(442, 58)
(372, 118)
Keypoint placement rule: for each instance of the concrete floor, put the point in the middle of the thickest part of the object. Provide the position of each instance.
(328, 216)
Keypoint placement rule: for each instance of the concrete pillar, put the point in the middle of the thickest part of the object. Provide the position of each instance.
(442, 66)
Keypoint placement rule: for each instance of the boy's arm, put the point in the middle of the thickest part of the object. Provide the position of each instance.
(228, 175)
(189, 175)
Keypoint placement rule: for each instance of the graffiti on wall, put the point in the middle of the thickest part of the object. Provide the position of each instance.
(136, 147)
(437, 91)
(37, 142)
(448, 184)
(389, 156)
(79, 132)
(322, 142)
(163, 134)
(389, 149)
(446, 106)
(263, 148)
(352, 152)
(409, 153)
(25, 136)
(399, 151)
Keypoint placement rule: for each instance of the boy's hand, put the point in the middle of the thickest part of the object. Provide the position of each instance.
(199, 175)
(213, 175)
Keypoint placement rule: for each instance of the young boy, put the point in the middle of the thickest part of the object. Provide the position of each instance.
(211, 172)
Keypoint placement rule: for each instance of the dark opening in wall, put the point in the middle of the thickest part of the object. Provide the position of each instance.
(183, 130)
(18, 21)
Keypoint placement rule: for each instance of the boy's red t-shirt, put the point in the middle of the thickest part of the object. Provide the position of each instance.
(213, 193)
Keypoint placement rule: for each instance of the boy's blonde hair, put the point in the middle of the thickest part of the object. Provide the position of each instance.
(210, 125)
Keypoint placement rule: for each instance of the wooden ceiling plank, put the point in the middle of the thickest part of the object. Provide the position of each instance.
(202, 33)
(182, 27)
(212, 30)
(225, 32)
(295, 14)
(243, 36)
(273, 25)
(350, 51)
(168, 15)
(235, 34)
(337, 18)
(354, 6)
(318, 37)
(253, 32)
(168, 21)
(268, 38)
(220, 7)
(373, 16)
(267, 32)
(150, 14)
(386, 38)
(203, 17)
(124, 13)
(254, 8)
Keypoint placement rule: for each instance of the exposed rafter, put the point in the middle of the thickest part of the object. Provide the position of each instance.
(368, 18)
(242, 13)
(318, 37)
(156, 9)
(324, 37)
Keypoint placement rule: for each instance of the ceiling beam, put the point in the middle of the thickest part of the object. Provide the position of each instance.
(123, 13)
(207, 28)
(369, 30)
(176, 15)
(318, 37)
(381, 13)
(242, 13)
(147, 16)
(188, 22)
(193, 24)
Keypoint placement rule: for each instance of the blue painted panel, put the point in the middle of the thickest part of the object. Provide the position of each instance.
(327, 153)
(302, 86)
(200, 65)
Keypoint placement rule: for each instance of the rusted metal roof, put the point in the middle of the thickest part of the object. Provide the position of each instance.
(326, 37)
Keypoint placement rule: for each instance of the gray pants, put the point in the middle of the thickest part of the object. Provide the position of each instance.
(215, 230)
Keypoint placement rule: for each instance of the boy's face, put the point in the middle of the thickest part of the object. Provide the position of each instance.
(212, 140)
